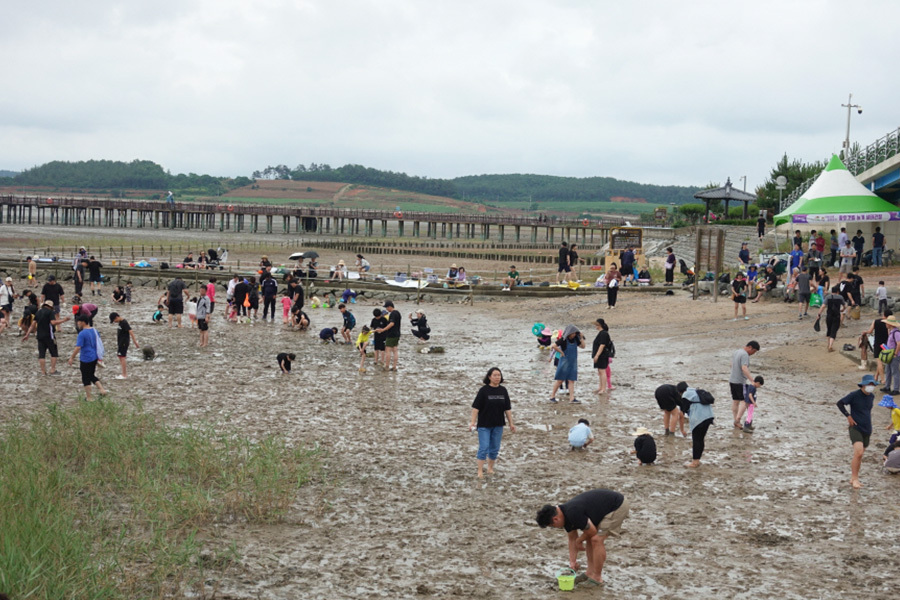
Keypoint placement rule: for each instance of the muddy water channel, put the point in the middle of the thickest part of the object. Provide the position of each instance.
(401, 514)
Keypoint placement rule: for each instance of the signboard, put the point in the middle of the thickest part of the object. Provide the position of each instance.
(847, 218)
(660, 213)
(622, 237)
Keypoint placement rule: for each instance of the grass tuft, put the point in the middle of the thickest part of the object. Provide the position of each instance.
(102, 501)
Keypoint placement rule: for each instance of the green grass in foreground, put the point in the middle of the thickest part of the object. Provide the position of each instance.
(101, 501)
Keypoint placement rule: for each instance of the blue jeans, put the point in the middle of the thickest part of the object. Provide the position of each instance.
(489, 442)
(876, 256)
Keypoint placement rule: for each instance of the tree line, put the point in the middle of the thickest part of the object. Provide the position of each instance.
(118, 175)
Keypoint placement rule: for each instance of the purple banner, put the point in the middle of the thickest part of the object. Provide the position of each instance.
(847, 218)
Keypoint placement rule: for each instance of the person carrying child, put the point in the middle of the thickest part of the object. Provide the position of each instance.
(349, 322)
(362, 342)
(644, 446)
(751, 396)
(284, 362)
(580, 436)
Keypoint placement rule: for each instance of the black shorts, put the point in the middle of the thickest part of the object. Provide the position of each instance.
(6, 308)
(254, 302)
(202, 324)
(665, 403)
(564, 268)
(737, 391)
(87, 373)
(96, 280)
(44, 345)
(739, 299)
(176, 307)
(122, 349)
(379, 344)
(602, 362)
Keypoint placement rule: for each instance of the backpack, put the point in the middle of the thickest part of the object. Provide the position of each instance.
(705, 397)
(612, 350)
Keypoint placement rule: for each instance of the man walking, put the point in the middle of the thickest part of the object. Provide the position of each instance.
(95, 277)
(859, 419)
(391, 337)
(44, 322)
(598, 514)
(740, 374)
(564, 265)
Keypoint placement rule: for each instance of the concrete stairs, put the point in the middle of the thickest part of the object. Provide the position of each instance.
(685, 240)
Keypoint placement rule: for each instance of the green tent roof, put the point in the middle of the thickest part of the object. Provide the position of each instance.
(836, 196)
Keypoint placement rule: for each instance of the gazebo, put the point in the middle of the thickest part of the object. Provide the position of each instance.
(726, 194)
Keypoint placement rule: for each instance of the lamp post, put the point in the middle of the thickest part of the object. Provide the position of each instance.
(849, 106)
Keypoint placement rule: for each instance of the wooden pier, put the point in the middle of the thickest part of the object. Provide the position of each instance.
(290, 219)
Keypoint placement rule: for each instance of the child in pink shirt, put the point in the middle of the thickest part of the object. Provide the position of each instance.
(286, 309)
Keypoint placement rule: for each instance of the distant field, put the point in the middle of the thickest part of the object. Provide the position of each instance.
(582, 206)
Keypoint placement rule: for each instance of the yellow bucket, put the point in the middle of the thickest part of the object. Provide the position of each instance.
(566, 579)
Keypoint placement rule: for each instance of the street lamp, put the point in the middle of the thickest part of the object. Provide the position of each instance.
(849, 106)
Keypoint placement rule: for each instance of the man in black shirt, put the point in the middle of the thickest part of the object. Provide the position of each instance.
(598, 514)
(44, 321)
(391, 337)
(94, 276)
(124, 336)
(564, 265)
(175, 299)
(54, 292)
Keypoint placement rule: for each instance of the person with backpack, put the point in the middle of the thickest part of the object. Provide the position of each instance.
(602, 351)
(740, 374)
(697, 405)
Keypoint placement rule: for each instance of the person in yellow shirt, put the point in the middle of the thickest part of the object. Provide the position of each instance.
(362, 342)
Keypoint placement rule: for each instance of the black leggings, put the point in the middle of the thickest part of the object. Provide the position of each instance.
(698, 436)
(611, 294)
(267, 302)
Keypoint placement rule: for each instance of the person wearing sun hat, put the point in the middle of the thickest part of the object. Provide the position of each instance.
(892, 369)
(859, 419)
(452, 273)
(644, 446)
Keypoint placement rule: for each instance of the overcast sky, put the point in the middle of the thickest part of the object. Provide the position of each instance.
(655, 92)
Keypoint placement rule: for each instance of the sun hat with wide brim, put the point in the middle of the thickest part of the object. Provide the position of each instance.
(892, 321)
(340, 263)
(867, 380)
(888, 402)
(453, 266)
(640, 431)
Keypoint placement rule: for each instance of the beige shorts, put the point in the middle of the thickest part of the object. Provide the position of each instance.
(612, 523)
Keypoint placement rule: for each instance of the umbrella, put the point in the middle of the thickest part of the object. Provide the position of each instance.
(306, 254)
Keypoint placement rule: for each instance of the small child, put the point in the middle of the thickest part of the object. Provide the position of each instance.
(192, 311)
(327, 334)
(580, 436)
(349, 322)
(644, 446)
(881, 294)
(378, 321)
(158, 315)
(285, 309)
(362, 342)
(284, 362)
(751, 397)
(128, 290)
(231, 313)
(348, 296)
(544, 340)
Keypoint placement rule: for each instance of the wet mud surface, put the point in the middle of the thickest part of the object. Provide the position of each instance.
(401, 514)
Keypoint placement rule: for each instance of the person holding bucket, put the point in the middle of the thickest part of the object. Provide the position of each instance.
(598, 514)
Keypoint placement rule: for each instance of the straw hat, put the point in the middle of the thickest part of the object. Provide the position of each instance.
(892, 321)
(340, 263)
(640, 431)
(453, 266)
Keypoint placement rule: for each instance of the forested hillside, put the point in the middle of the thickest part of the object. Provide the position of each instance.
(117, 175)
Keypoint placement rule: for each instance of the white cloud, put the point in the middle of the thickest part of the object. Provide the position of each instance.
(650, 91)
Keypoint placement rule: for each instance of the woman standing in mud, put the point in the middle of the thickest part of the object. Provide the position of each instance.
(567, 370)
(490, 411)
(613, 279)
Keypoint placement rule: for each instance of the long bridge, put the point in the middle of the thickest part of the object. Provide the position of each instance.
(263, 218)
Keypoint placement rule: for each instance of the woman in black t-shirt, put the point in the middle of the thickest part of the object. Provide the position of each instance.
(600, 356)
(490, 411)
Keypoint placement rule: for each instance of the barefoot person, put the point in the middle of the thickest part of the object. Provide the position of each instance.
(45, 321)
(600, 354)
(598, 514)
(667, 397)
(391, 333)
(567, 370)
(87, 348)
(859, 419)
(491, 410)
(203, 311)
(124, 336)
